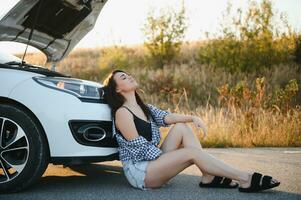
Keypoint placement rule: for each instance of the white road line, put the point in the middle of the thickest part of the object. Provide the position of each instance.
(292, 151)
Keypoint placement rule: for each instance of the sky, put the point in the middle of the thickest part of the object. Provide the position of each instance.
(120, 22)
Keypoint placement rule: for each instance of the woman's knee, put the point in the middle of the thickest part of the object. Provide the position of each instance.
(178, 129)
(191, 153)
(183, 127)
(180, 125)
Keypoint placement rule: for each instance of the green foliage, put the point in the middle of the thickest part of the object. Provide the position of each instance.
(252, 41)
(282, 99)
(298, 50)
(113, 58)
(164, 35)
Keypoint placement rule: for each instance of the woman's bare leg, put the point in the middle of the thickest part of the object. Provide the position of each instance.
(166, 166)
(171, 163)
(182, 135)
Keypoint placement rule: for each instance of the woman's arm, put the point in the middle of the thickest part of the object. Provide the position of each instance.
(166, 118)
(173, 118)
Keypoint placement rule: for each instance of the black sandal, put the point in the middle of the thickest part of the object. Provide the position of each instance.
(219, 182)
(255, 183)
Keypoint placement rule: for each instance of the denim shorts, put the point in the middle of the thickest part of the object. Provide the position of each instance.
(135, 173)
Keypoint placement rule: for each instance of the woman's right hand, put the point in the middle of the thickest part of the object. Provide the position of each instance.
(198, 122)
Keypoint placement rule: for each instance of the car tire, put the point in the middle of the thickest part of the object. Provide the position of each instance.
(24, 152)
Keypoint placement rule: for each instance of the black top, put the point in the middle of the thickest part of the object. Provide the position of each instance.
(143, 127)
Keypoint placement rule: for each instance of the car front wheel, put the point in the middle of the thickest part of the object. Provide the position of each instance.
(24, 151)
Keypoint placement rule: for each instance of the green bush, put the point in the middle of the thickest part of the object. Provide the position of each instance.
(115, 57)
(250, 42)
(298, 50)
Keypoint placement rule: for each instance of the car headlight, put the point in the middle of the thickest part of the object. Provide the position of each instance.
(79, 88)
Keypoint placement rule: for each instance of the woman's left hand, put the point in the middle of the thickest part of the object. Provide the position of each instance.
(198, 122)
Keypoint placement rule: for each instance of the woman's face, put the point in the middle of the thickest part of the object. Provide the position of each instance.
(125, 82)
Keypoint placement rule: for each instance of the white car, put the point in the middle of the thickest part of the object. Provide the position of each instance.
(45, 116)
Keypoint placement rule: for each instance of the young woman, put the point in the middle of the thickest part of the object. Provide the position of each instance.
(136, 128)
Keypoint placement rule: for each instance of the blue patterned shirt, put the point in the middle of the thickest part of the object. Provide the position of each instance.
(140, 149)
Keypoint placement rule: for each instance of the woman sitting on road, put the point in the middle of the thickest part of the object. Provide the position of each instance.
(136, 128)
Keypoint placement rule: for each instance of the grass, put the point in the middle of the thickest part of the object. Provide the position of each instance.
(231, 128)
(187, 87)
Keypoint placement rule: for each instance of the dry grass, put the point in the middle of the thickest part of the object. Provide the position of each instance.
(190, 88)
(231, 128)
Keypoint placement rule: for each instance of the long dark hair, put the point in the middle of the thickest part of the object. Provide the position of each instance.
(115, 100)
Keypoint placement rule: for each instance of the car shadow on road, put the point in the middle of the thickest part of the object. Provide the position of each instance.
(102, 181)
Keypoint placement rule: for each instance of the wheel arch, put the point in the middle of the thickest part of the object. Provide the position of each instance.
(29, 112)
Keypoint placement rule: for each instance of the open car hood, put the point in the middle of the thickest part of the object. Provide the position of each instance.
(60, 25)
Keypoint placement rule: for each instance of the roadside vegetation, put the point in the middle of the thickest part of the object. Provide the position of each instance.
(243, 81)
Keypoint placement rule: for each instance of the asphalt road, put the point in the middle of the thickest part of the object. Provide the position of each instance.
(106, 180)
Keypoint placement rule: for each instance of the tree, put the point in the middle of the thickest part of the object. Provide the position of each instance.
(164, 34)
